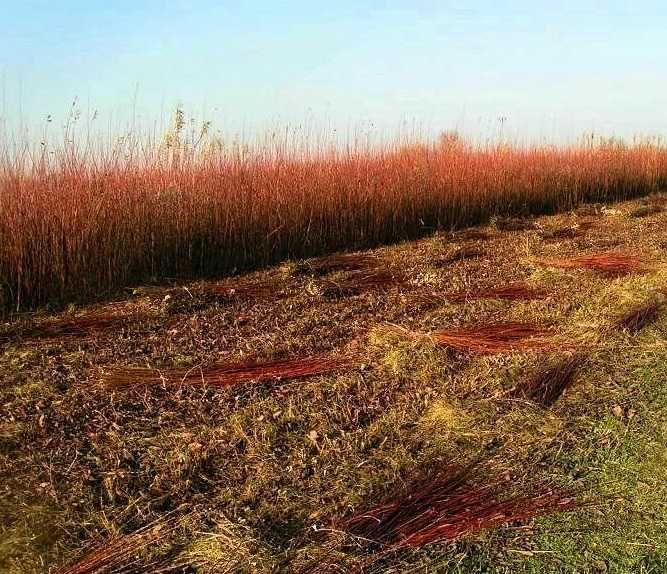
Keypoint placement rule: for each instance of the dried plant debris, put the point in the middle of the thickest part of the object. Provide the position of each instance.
(568, 232)
(357, 282)
(76, 325)
(647, 210)
(124, 553)
(471, 235)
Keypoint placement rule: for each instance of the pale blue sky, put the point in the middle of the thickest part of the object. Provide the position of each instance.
(553, 69)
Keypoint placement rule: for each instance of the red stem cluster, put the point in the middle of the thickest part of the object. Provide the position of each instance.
(224, 375)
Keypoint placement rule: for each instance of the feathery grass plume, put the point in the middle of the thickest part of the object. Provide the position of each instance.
(611, 264)
(547, 385)
(511, 292)
(333, 263)
(224, 375)
(636, 319)
(122, 553)
(495, 337)
(453, 504)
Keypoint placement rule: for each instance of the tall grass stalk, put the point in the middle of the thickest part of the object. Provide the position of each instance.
(82, 222)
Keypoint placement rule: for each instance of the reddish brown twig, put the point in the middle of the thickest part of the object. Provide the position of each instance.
(80, 325)
(611, 264)
(495, 337)
(448, 507)
(225, 375)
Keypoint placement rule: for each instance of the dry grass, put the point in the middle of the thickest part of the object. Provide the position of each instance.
(246, 290)
(225, 375)
(561, 233)
(277, 462)
(495, 337)
(125, 216)
(471, 235)
(547, 385)
(612, 264)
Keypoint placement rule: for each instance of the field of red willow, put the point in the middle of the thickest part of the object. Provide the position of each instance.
(83, 224)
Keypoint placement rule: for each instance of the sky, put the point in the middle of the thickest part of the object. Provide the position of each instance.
(532, 70)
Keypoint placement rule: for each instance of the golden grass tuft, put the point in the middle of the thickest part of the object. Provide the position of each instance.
(229, 549)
